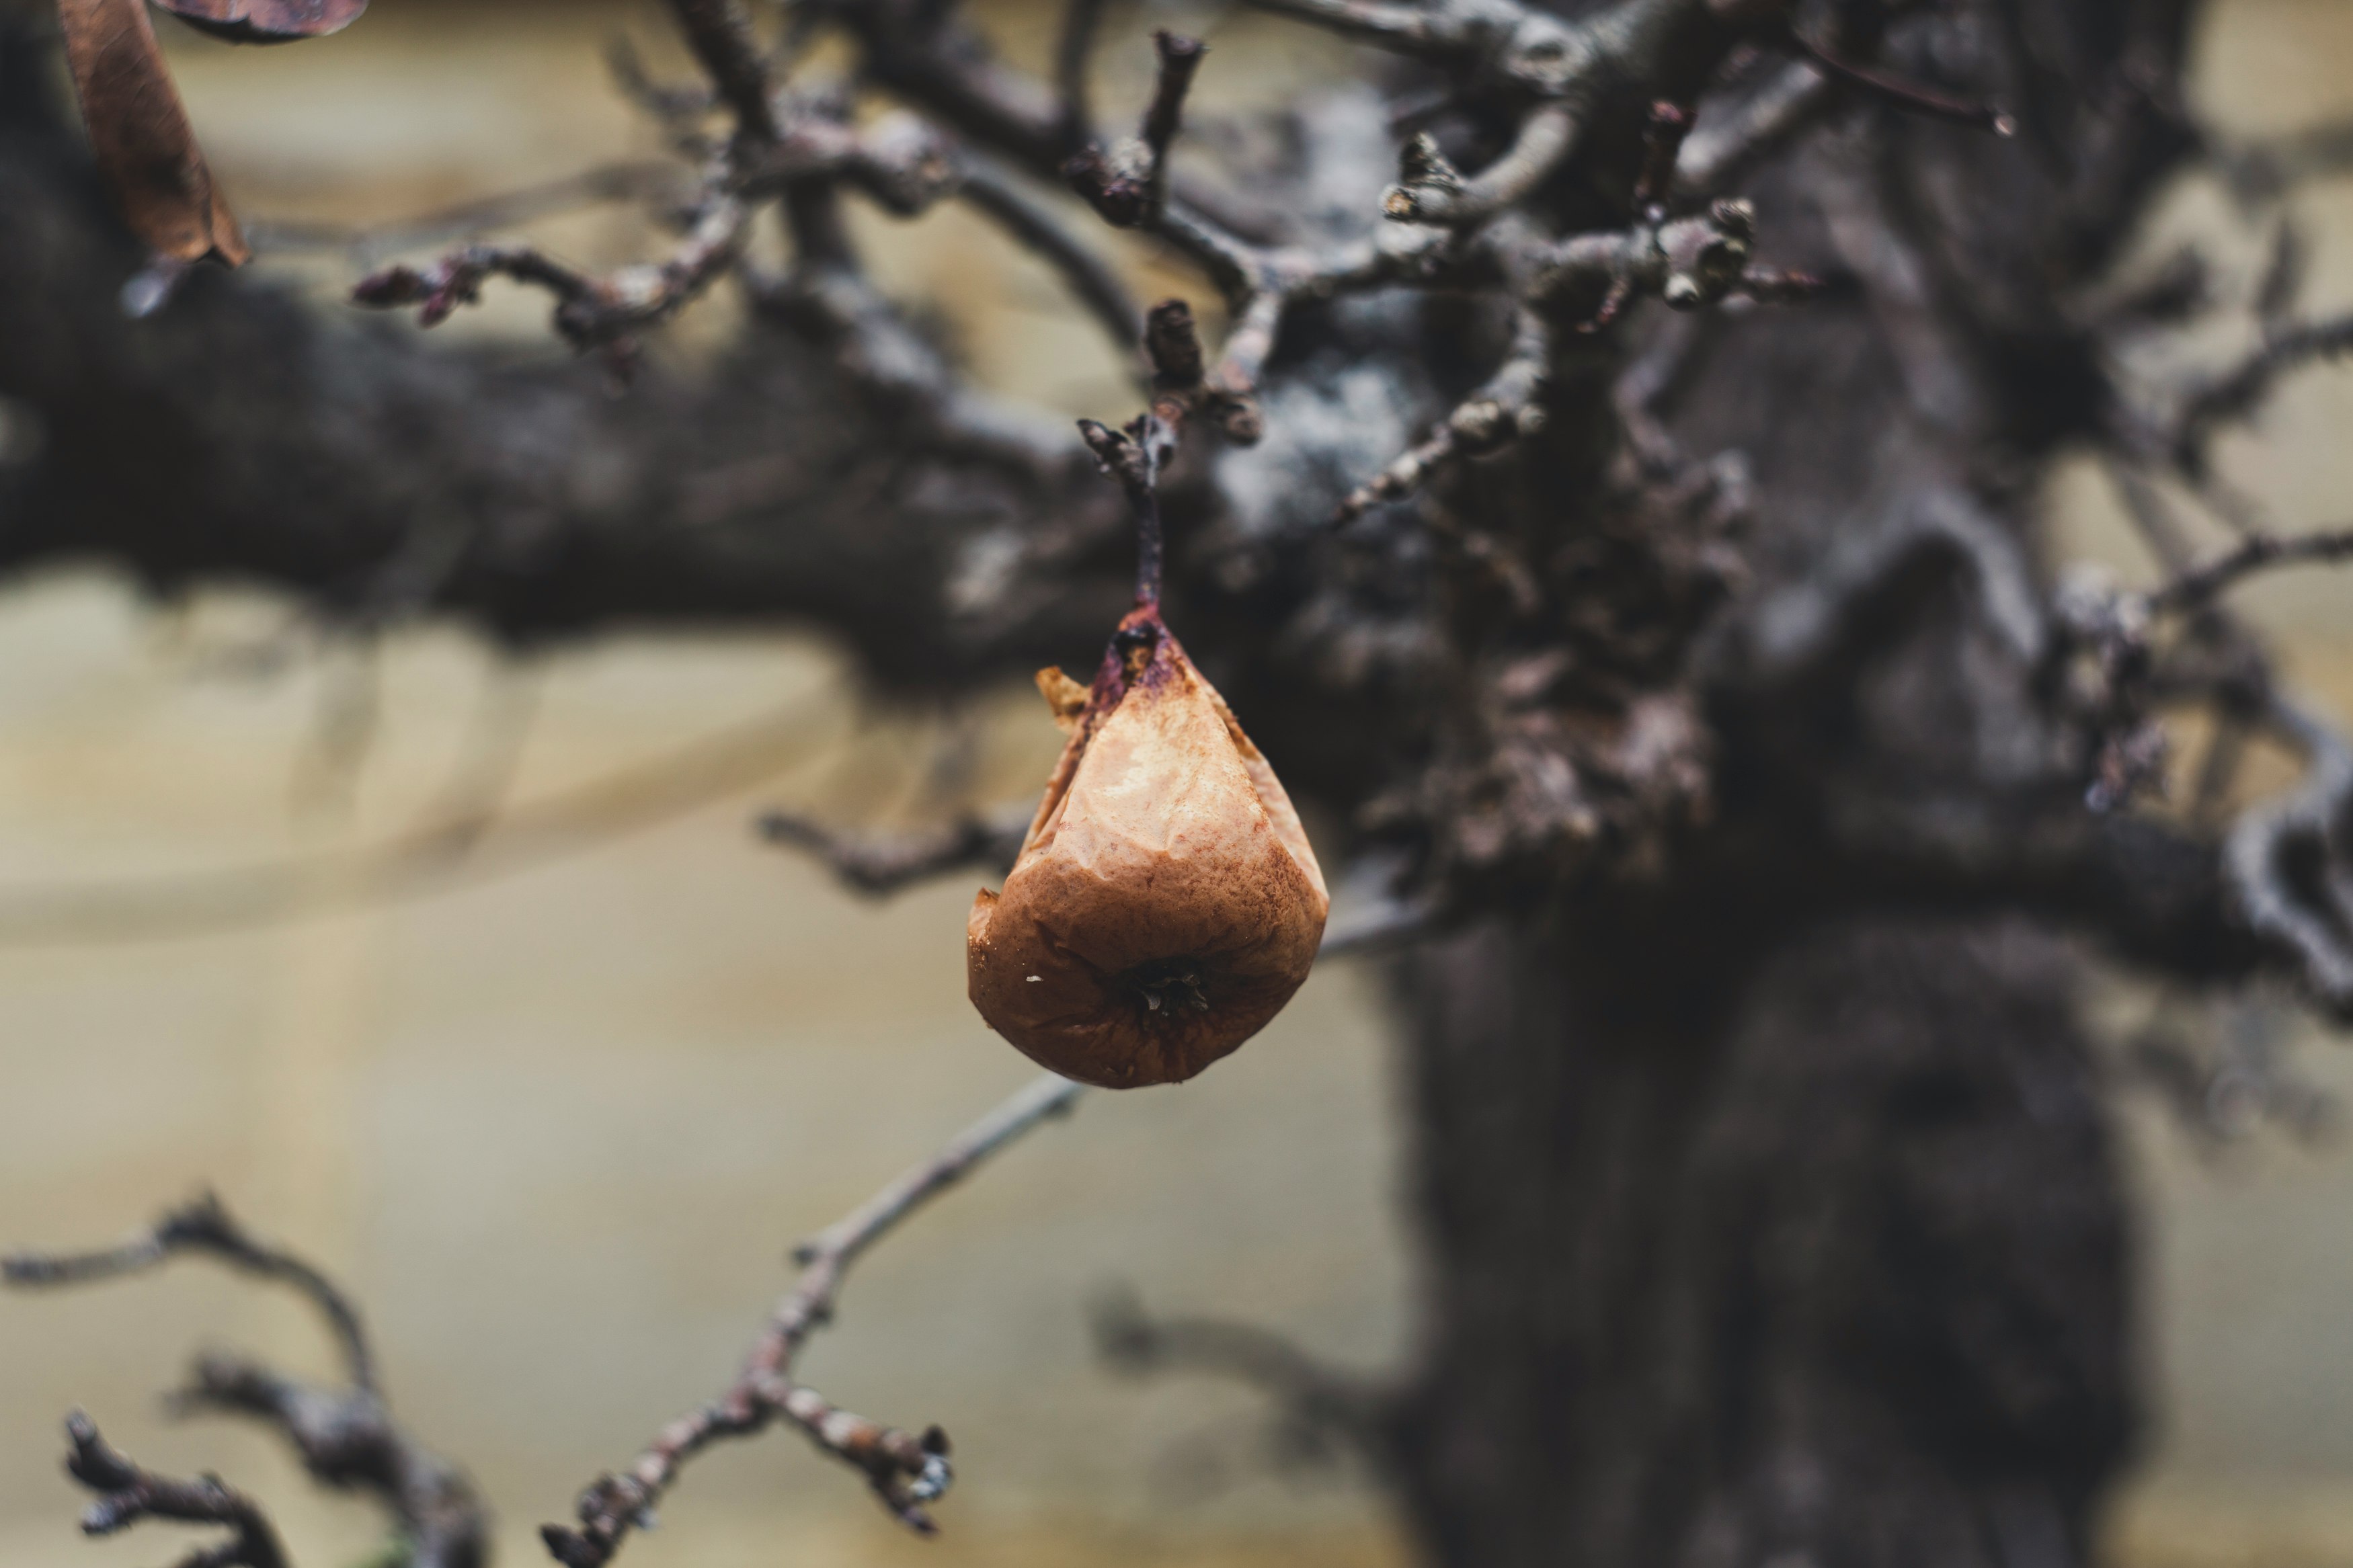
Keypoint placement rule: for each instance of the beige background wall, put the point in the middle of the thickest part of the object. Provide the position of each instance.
(556, 1110)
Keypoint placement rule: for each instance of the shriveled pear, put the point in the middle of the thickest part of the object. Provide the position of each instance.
(1166, 903)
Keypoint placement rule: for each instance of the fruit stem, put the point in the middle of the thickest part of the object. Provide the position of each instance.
(1147, 548)
(1134, 456)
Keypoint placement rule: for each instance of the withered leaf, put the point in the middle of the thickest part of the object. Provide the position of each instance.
(266, 21)
(140, 135)
(1165, 904)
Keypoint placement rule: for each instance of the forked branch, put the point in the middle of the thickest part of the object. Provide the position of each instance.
(128, 1493)
(346, 1437)
(907, 1471)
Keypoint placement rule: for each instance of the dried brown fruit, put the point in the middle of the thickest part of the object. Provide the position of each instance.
(1165, 904)
(266, 21)
(140, 135)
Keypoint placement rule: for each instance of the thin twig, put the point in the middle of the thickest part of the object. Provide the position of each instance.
(1129, 185)
(2238, 391)
(1914, 96)
(590, 311)
(720, 33)
(1498, 414)
(1311, 1398)
(879, 865)
(127, 1494)
(2194, 589)
(1074, 53)
(204, 1226)
(1431, 191)
(1091, 280)
(1444, 32)
(907, 1472)
(605, 182)
(1723, 149)
(345, 1437)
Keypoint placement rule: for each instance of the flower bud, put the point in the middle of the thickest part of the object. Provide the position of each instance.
(1166, 903)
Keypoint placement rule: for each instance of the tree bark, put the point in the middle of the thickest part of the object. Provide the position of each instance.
(1806, 1252)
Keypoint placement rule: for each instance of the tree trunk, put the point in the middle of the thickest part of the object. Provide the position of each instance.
(1805, 1251)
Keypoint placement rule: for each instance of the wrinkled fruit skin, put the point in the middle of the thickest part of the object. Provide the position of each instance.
(1166, 903)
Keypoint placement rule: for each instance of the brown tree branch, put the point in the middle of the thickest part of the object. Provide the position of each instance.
(127, 1494)
(368, 242)
(907, 1472)
(1313, 1400)
(882, 864)
(205, 1227)
(1914, 96)
(1501, 411)
(2196, 588)
(720, 33)
(346, 1437)
(2236, 393)
(590, 312)
(1431, 191)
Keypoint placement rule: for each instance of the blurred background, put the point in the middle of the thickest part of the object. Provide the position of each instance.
(469, 979)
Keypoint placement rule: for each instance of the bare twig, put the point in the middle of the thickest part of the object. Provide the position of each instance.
(590, 312)
(2238, 391)
(1914, 96)
(1445, 32)
(1074, 53)
(606, 182)
(882, 864)
(346, 1437)
(1135, 455)
(2201, 586)
(1091, 280)
(832, 303)
(127, 1494)
(907, 1472)
(1314, 1400)
(720, 33)
(1429, 189)
(1489, 419)
(1129, 185)
(2266, 171)
(204, 1226)
(678, 106)
(1723, 149)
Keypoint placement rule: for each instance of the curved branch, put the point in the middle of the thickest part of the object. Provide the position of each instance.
(2287, 860)
(128, 1494)
(879, 865)
(346, 1437)
(1310, 1397)
(1432, 192)
(204, 1226)
(1447, 31)
(2259, 551)
(906, 1472)
(2237, 393)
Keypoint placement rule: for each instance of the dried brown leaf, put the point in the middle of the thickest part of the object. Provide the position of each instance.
(266, 21)
(140, 134)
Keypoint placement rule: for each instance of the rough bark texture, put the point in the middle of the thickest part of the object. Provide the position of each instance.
(1763, 1173)
(1815, 1252)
